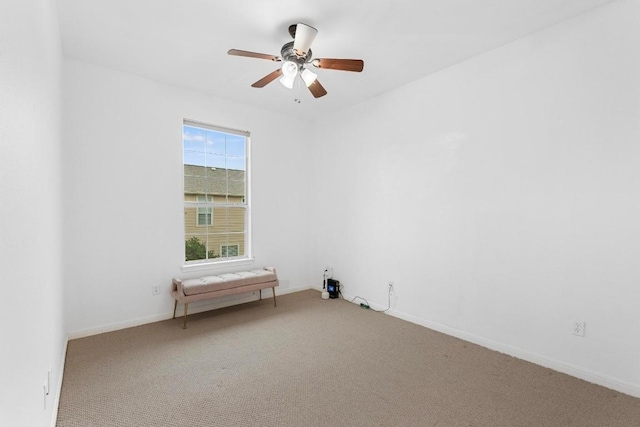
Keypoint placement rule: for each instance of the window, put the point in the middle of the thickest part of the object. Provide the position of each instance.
(216, 197)
(205, 215)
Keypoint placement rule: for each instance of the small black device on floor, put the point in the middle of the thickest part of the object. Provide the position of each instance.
(333, 287)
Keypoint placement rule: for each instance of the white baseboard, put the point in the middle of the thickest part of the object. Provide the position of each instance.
(556, 365)
(58, 384)
(194, 308)
(87, 332)
(292, 290)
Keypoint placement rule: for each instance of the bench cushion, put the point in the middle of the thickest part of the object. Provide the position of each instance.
(226, 281)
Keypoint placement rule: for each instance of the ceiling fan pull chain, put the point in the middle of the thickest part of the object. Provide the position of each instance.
(297, 84)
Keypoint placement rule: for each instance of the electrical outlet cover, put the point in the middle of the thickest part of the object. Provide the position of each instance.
(578, 328)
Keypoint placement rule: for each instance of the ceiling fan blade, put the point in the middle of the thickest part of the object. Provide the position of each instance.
(304, 36)
(248, 54)
(316, 89)
(356, 65)
(267, 79)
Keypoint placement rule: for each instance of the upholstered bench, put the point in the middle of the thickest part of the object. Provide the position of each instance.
(208, 287)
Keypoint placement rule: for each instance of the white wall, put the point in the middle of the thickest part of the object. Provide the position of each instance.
(502, 196)
(33, 334)
(124, 195)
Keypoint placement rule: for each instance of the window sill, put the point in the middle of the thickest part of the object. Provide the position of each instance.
(219, 265)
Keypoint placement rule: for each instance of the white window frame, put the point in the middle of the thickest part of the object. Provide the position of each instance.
(247, 257)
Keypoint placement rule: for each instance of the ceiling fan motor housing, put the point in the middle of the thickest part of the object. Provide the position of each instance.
(289, 54)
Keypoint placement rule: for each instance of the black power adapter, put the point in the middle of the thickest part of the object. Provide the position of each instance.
(333, 287)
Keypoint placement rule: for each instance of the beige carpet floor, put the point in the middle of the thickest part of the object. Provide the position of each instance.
(310, 362)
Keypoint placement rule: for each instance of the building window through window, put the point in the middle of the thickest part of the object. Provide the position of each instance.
(216, 199)
(229, 250)
(204, 214)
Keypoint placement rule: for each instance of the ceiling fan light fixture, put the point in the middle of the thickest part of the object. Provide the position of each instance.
(287, 81)
(289, 69)
(295, 57)
(305, 35)
(308, 76)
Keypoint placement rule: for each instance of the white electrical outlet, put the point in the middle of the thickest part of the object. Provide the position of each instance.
(328, 272)
(155, 290)
(578, 328)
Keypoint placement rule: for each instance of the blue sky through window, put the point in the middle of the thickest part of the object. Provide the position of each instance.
(205, 147)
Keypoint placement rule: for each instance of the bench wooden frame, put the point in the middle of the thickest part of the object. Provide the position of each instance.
(225, 284)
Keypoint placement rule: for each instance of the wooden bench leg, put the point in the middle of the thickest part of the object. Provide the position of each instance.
(260, 294)
(175, 306)
(186, 308)
(274, 296)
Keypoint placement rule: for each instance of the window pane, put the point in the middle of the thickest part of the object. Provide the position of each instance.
(195, 248)
(193, 145)
(236, 158)
(235, 218)
(216, 182)
(213, 160)
(190, 220)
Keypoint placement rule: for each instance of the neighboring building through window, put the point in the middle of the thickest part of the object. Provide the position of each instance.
(216, 202)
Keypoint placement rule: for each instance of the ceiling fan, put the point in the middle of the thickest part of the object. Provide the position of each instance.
(295, 57)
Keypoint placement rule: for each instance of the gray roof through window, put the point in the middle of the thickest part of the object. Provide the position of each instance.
(215, 181)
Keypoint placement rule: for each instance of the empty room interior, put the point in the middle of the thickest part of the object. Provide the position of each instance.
(466, 173)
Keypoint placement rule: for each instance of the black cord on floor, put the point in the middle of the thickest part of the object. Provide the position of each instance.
(369, 305)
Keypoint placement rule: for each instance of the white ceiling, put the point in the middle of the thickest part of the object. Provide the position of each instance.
(185, 42)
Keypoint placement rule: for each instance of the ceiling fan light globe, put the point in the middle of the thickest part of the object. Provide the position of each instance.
(287, 81)
(308, 76)
(289, 69)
